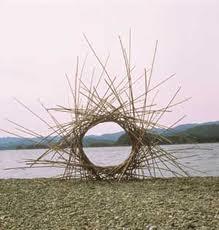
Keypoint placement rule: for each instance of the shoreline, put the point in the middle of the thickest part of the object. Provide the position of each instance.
(195, 144)
(170, 203)
(78, 180)
(110, 146)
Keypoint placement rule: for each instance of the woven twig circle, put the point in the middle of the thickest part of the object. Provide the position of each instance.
(134, 133)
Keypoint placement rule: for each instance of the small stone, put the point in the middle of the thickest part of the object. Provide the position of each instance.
(151, 227)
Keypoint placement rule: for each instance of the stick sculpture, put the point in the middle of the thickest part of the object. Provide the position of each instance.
(119, 104)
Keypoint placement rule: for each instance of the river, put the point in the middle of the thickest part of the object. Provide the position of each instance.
(202, 157)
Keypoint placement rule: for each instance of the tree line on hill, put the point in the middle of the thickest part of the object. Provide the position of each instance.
(183, 134)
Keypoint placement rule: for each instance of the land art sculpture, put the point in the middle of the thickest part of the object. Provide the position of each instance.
(138, 114)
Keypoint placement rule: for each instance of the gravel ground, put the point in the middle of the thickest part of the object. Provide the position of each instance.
(177, 203)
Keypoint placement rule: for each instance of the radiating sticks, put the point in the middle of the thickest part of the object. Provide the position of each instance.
(138, 115)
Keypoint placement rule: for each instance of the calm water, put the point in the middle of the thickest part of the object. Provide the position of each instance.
(204, 157)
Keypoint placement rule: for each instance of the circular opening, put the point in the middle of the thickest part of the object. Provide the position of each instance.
(106, 144)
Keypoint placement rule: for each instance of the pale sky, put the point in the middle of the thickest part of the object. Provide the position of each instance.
(40, 39)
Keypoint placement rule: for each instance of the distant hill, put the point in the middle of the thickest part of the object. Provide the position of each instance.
(90, 141)
(174, 130)
(123, 140)
(187, 133)
(13, 142)
(102, 140)
(26, 143)
(205, 133)
(202, 133)
(112, 136)
(181, 128)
